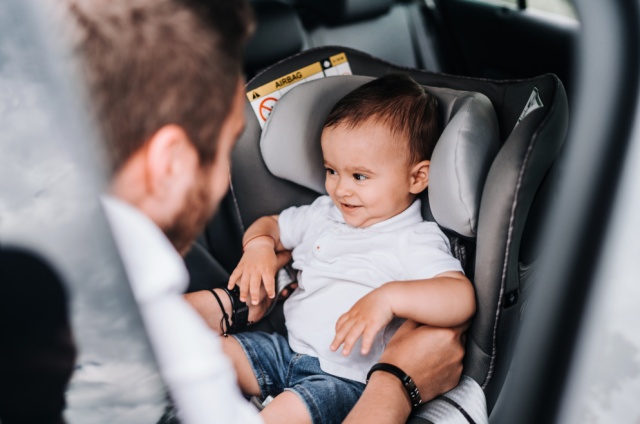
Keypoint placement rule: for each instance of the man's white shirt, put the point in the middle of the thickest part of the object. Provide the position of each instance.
(200, 377)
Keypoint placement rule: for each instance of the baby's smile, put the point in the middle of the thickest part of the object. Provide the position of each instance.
(348, 209)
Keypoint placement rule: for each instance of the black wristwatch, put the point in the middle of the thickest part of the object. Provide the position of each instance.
(408, 384)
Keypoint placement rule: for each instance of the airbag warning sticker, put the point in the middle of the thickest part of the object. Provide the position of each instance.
(265, 97)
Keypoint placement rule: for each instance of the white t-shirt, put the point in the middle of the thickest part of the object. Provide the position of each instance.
(340, 264)
(200, 377)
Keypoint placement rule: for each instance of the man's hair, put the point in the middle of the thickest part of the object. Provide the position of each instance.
(399, 103)
(150, 63)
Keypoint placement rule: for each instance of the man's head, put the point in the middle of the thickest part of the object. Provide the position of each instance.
(376, 143)
(165, 77)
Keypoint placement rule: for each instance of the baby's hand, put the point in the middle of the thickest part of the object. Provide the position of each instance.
(368, 316)
(257, 266)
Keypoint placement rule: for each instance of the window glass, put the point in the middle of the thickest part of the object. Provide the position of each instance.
(513, 3)
(560, 7)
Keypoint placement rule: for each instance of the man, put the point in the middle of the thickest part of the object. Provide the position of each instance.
(165, 77)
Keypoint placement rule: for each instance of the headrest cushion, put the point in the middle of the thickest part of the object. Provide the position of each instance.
(335, 12)
(275, 21)
(461, 160)
(290, 145)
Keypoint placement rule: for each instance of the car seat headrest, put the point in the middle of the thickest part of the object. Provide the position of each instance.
(275, 21)
(335, 12)
(290, 145)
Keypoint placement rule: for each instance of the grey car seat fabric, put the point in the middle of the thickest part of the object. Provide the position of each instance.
(532, 118)
(399, 32)
(462, 405)
(469, 142)
(395, 31)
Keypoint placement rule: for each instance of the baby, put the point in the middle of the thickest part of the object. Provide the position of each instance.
(364, 255)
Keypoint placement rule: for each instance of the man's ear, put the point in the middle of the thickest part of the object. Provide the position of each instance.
(419, 177)
(169, 158)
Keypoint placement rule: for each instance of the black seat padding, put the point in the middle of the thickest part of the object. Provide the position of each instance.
(532, 118)
(278, 34)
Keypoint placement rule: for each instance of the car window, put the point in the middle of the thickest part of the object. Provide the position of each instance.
(605, 382)
(558, 7)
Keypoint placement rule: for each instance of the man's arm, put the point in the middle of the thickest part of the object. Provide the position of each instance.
(431, 356)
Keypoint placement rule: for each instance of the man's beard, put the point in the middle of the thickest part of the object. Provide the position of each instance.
(192, 217)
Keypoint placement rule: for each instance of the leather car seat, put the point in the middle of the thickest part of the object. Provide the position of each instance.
(503, 151)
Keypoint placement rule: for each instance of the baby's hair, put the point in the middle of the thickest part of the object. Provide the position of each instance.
(398, 102)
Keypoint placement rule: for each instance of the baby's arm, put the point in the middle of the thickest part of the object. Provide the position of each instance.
(258, 264)
(446, 300)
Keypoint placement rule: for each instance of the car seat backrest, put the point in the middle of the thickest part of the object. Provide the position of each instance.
(403, 33)
(279, 34)
(394, 31)
(337, 12)
(532, 117)
(290, 145)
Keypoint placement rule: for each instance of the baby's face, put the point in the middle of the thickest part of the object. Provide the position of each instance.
(368, 176)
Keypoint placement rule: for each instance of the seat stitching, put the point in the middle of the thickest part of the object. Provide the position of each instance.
(514, 205)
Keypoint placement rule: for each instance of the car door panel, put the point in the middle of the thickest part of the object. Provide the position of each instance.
(503, 42)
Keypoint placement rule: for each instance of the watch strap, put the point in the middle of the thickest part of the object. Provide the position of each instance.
(407, 382)
(239, 311)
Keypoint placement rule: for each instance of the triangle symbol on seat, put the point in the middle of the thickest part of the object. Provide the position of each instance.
(255, 95)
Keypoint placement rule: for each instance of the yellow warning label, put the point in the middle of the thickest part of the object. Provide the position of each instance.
(286, 80)
(338, 59)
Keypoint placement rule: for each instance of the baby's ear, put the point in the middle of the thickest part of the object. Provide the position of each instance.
(419, 177)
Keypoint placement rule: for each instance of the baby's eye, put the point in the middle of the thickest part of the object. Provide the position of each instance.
(330, 171)
(360, 177)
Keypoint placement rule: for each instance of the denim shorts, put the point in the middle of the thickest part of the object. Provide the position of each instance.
(328, 398)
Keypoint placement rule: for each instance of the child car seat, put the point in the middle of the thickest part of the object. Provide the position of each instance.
(498, 144)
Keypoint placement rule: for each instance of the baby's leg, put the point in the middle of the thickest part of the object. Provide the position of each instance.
(286, 407)
(246, 377)
(311, 395)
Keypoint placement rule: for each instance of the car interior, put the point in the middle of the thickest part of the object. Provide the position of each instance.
(506, 198)
(498, 144)
(460, 37)
(506, 77)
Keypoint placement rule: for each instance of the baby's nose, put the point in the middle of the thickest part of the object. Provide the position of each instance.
(343, 189)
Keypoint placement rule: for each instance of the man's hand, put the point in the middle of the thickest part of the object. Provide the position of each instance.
(369, 315)
(431, 356)
(433, 359)
(256, 269)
